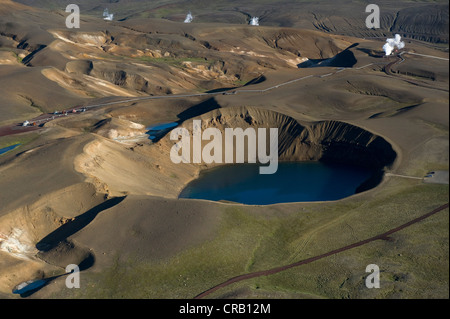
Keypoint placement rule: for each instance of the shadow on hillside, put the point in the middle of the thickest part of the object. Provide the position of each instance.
(344, 59)
(73, 226)
(199, 109)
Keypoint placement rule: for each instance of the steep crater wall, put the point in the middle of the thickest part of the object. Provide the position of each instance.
(306, 141)
(327, 141)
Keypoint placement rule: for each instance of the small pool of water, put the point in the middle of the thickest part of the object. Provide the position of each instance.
(156, 130)
(7, 149)
(293, 182)
(29, 286)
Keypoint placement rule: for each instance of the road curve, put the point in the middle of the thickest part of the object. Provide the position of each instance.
(383, 236)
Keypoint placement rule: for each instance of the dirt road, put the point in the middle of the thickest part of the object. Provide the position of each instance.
(383, 236)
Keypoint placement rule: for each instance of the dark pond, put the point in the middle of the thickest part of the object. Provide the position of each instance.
(293, 182)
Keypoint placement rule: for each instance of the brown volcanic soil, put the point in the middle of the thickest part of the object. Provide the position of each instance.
(78, 193)
(139, 57)
(419, 20)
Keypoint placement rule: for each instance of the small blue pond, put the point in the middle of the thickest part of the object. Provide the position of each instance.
(29, 286)
(7, 149)
(156, 130)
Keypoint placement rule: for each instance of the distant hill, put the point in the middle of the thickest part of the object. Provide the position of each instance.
(420, 20)
(7, 6)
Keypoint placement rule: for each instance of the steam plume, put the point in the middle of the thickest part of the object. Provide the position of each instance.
(391, 43)
(189, 18)
(254, 21)
(108, 16)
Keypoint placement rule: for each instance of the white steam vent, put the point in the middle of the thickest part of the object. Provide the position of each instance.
(108, 16)
(254, 21)
(189, 18)
(392, 43)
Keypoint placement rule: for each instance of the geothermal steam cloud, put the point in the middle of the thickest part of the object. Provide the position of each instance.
(107, 16)
(189, 18)
(254, 21)
(391, 43)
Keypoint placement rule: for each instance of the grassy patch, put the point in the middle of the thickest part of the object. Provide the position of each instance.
(19, 59)
(175, 62)
(240, 82)
(22, 139)
(172, 61)
(250, 241)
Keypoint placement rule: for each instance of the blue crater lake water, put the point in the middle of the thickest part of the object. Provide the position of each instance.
(293, 182)
(7, 149)
(156, 130)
